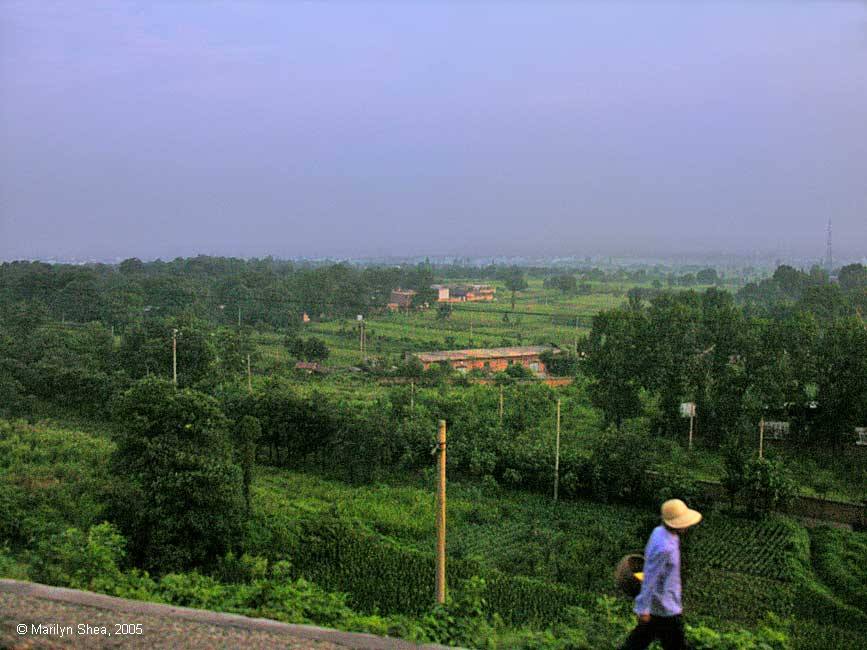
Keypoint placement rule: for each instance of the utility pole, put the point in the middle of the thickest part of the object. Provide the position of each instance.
(691, 418)
(557, 454)
(360, 320)
(249, 375)
(175, 356)
(576, 336)
(501, 405)
(761, 437)
(412, 395)
(441, 515)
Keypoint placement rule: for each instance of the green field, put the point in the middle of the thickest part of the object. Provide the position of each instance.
(540, 316)
(736, 571)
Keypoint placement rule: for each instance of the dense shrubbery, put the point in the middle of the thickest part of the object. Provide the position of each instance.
(50, 479)
(175, 461)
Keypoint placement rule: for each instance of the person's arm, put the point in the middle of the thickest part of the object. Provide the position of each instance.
(642, 600)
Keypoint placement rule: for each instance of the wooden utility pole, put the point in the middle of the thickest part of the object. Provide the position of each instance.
(557, 454)
(249, 375)
(412, 395)
(761, 437)
(175, 356)
(691, 418)
(576, 336)
(441, 515)
(501, 406)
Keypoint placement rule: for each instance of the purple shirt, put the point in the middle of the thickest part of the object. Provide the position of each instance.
(660, 591)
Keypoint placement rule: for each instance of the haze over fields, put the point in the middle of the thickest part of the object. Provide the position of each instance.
(473, 128)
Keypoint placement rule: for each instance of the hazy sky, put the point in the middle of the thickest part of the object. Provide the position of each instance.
(362, 128)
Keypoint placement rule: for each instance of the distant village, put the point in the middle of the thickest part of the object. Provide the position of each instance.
(403, 298)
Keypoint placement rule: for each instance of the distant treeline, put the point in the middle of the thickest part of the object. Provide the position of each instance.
(214, 289)
(792, 347)
(263, 291)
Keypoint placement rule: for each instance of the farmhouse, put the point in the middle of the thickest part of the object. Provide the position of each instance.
(310, 367)
(401, 299)
(464, 293)
(489, 359)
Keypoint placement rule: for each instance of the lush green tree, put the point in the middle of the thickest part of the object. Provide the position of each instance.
(734, 469)
(425, 296)
(768, 486)
(315, 349)
(707, 276)
(825, 301)
(179, 497)
(146, 349)
(853, 277)
(841, 373)
(566, 283)
(791, 281)
(294, 345)
(231, 348)
(668, 343)
(515, 281)
(294, 426)
(615, 363)
(248, 431)
(564, 364)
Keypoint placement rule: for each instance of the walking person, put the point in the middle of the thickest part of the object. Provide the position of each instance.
(658, 603)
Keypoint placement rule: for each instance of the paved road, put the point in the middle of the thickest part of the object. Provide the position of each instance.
(63, 612)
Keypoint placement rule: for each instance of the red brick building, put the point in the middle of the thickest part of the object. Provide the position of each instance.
(464, 293)
(489, 359)
(401, 299)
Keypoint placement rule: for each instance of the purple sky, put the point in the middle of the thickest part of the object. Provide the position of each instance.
(362, 128)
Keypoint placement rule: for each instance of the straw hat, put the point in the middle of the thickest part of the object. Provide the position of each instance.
(676, 515)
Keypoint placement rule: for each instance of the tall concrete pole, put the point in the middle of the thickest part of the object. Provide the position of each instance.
(441, 515)
(175, 357)
(557, 454)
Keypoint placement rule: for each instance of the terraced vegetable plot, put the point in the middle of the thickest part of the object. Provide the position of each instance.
(757, 549)
(840, 561)
(733, 570)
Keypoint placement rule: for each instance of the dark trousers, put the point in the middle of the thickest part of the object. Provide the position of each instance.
(668, 629)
